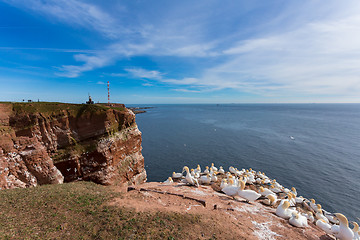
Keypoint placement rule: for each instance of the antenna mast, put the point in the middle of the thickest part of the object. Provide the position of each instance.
(108, 85)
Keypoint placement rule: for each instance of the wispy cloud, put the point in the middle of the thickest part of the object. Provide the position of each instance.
(75, 13)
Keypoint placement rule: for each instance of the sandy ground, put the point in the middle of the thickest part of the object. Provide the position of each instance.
(222, 216)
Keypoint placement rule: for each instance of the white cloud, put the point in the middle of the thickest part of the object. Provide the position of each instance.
(73, 12)
(100, 82)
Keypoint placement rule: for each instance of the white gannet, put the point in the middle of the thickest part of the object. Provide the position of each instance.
(249, 195)
(197, 169)
(291, 199)
(221, 170)
(213, 167)
(319, 214)
(283, 210)
(213, 177)
(298, 220)
(331, 217)
(299, 199)
(169, 181)
(223, 183)
(229, 189)
(232, 170)
(192, 172)
(206, 171)
(177, 175)
(264, 191)
(293, 190)
(205, 179)
(324, 226)
(271, 200)
(344, 233)
(189, 179)
(313, 204)
(356, 231)
(310, 216)
(275, 189)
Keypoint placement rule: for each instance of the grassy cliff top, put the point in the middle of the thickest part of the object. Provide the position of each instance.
(81, 210)
(49, 108)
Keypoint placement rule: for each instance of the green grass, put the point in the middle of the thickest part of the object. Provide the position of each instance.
(80, 211)
(54, 108)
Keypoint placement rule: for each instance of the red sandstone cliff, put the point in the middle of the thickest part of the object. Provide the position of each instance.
(43, 143)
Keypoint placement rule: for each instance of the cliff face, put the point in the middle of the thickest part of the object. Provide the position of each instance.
(43, 143)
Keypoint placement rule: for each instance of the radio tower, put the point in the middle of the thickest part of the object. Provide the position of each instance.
(108, 85)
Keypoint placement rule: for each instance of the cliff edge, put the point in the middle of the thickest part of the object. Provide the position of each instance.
(48, 143)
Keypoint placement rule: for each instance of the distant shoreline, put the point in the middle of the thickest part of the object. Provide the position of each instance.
(138, 110)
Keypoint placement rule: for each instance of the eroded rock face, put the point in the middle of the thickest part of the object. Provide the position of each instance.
(66, 144)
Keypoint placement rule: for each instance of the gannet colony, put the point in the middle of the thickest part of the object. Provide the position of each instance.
(256, 186)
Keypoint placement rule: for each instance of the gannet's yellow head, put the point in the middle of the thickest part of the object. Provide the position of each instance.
(318, 206)
(289, 196)
(185, 168)
(262, 181)
(192, 170)
(207, 167)
(261, 189)
(212, 164)
(242, 185)
(170, 179)
(250, 169)
(173, 172)
(356, 227)
(342, 219)
(272, 198)
(231, 182)
(293, 189)
(312, 201)
(272, 186)
(247, 170)
(285, 205)
(310, 213)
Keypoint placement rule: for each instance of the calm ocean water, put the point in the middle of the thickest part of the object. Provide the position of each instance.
(322, 162)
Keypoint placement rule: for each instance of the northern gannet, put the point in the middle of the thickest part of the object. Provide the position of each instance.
(206, 170)
(293, 190)
(324, 226)
(313, 204)
(356, 231)
(331, 217)
(198, 169)
(283, 210)
(169, 181)
(230, 189)
(264, 191)
(223, 183)
(344, 233)
(271, 199)
(249, 195)
(310, 216)
(221, 170)
(298, 220)
(176, 175)
(189, 179)
(213, 167)
(205, 179)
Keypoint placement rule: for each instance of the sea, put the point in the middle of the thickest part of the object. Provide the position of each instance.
(312, 147)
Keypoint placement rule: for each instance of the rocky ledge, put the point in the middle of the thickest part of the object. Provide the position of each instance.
(47, 143)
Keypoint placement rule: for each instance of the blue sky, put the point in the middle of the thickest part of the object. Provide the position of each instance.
(205, 51)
